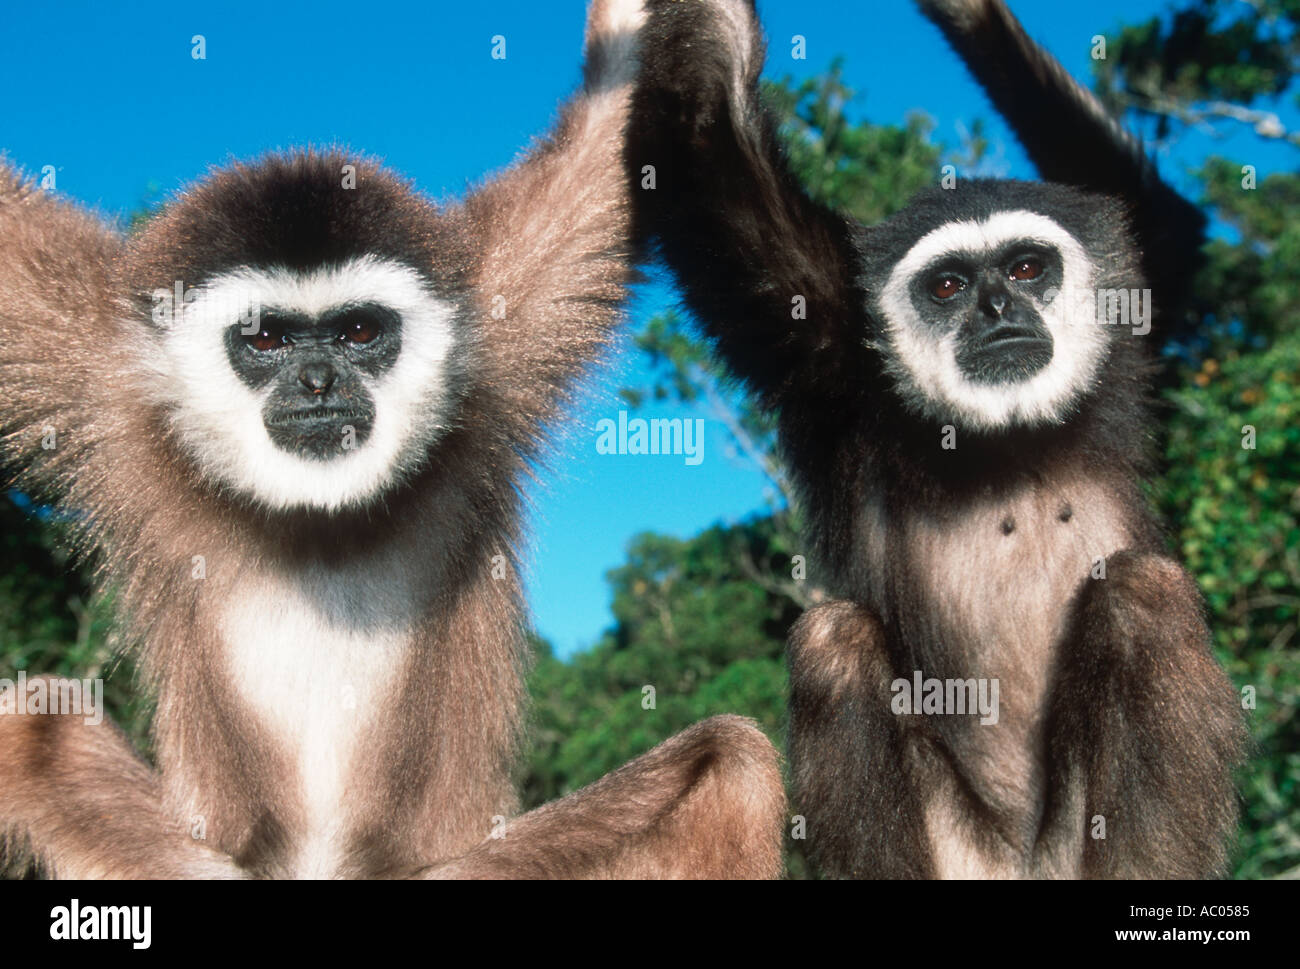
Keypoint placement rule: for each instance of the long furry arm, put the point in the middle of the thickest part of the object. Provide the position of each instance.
(76, 800)
(848, 750)
(1144, 730)
(707, 803)
(553, 231)
(55, 306)
(1073, 139)
(768, 272)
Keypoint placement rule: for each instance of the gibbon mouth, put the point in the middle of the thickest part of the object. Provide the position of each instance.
(316, 415)
(321, 433)
(1005, 356)
(1004, 336)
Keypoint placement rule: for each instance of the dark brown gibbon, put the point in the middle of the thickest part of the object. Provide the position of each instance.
(1016, 679)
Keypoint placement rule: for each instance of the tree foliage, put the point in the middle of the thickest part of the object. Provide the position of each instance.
(1233, 493)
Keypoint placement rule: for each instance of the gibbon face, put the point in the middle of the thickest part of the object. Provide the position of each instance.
(989, 318)
(317, 353)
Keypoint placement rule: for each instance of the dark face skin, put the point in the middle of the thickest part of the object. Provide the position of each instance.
(990, 301)
(318, 369)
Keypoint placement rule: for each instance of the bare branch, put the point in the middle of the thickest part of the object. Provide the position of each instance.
(723, 412)
(1266, 124)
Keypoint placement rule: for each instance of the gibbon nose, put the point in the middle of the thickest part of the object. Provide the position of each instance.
(996, 304)
(317, 377)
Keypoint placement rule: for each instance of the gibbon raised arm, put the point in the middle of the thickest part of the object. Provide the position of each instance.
(742, 238)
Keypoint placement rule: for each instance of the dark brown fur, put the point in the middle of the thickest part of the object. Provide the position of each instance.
(973, 563)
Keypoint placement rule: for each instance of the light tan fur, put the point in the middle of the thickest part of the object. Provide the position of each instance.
(341, 696)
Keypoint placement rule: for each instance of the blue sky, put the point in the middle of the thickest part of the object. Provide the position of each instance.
(110, 96)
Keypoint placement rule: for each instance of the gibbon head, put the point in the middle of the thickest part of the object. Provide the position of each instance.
(989, 318)
(311, 336)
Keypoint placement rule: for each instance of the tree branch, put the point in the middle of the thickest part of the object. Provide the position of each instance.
(1266, 124)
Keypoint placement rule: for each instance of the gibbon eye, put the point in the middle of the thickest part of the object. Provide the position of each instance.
(359, 329)
(1026, 269)
(268, 338)
(946, 287)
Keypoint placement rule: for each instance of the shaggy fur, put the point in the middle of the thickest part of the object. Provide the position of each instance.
(339, 685)
(973, 562)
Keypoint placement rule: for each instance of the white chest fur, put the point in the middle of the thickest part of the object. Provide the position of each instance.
(1000, 575)
(1000, 578)
(315, 674)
